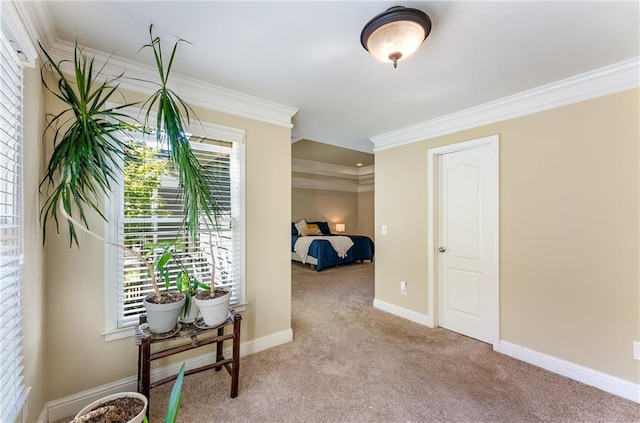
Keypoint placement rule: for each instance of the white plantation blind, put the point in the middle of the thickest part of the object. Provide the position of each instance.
(12, 390)
(152, 213)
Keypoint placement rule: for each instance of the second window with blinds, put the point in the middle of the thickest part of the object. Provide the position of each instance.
(147, 209)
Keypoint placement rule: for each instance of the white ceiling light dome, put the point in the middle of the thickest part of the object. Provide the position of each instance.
(395, 34)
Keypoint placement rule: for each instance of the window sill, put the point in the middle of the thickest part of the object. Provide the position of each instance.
(120, 333)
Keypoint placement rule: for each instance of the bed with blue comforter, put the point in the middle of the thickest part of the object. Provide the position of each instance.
(322, 254)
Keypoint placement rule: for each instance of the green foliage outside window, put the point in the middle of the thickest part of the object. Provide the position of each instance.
(143, 173)
(144, 169)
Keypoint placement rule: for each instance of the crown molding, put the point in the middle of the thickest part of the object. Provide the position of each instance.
(347, 178)
(366, 188)
(336, 185)
(37, 22)
(330, 169)
(197, 93)
(19, 35)
(607, 80)
(194, 92)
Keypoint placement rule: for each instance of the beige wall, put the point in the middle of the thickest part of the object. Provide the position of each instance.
(34, 305)
(353, 209)
(78, 358)
(366, 214)
(569, 230)
(324, 205)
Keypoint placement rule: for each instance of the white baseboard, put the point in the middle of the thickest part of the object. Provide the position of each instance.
(423, 319)
(266, 342)
(71, 404)
(43, 418)
(603, 381)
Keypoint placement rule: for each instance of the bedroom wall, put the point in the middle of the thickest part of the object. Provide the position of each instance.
(569, 230)
(332, 206)
(78, 358)
(366, 221)
(354, 209)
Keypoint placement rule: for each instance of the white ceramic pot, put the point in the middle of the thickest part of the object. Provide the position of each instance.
(163, 317)
(137, 419)
(214, 311)
(192, 313)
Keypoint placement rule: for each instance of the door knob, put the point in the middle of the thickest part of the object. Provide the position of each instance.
(442, 249)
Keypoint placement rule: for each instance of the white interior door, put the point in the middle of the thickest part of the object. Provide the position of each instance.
(467, 259)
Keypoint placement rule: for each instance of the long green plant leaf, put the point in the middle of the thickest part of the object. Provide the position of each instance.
(172, 118)
(87, 150)
(174, 399)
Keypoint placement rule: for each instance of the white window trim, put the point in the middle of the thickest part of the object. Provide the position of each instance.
(210, 130)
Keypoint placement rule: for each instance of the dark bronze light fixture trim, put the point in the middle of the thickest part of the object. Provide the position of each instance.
(396, 22)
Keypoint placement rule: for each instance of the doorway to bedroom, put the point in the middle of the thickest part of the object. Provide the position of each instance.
(333, 185)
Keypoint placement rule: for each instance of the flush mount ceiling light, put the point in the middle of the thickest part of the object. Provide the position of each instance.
(395, 34)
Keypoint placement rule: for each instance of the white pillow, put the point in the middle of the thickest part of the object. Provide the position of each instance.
(301, 225)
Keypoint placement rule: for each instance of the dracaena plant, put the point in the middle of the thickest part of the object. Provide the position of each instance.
(87, 151)
(172, 118)
(88, 147)
(173, 406)
(174, 398)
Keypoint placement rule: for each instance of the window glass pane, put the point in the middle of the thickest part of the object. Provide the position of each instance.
(152, 213)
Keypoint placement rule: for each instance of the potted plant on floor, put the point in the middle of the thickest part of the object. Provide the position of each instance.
(130, 407)
(88, 151)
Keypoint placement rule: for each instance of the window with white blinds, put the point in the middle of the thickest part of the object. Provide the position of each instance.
(150, 212)
(12, 389)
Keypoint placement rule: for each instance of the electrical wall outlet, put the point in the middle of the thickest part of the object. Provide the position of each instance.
(403, 287)
(636, 350)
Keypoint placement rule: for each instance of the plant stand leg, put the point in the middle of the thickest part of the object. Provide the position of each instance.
(219, 346)
(144, 369)
(235, 374)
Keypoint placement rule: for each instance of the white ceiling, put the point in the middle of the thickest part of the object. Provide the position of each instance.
(308, 55)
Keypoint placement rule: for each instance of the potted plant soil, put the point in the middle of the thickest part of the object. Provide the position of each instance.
(122, 407)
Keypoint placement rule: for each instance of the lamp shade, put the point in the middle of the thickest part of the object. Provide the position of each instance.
(340, 227)
(395, 34)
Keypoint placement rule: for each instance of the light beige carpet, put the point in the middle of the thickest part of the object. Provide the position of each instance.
(350, 362)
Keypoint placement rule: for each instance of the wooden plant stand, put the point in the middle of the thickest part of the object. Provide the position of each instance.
(144, 339)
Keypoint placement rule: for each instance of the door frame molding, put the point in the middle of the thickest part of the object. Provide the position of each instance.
(491, 141)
